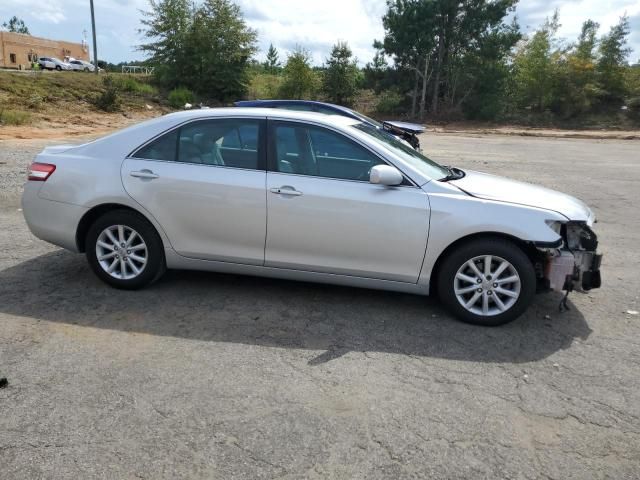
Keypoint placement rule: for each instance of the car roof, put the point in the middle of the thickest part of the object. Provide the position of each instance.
(261, 113)
(258, 103)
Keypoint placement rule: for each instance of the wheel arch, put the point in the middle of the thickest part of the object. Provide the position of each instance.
(96, 212)
(527, 247)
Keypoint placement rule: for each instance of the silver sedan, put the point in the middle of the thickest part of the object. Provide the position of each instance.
(308, 197)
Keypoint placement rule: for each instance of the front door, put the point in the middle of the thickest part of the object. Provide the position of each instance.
(325, 216)
(205, 185)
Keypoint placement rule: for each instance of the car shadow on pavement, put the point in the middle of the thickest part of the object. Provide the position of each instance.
(59, 287)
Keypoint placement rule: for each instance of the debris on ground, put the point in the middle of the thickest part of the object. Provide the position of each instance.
(4, 382)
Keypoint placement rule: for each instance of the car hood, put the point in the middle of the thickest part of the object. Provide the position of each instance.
(492, 187)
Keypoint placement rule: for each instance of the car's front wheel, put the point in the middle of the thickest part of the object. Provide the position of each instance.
(124, 250)
(487, 281)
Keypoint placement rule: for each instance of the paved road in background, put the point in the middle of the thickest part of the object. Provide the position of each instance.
(218, 376)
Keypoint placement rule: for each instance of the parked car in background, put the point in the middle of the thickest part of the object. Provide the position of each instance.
(53, 63)
(305, 196)
(81, 66)
(406, 131)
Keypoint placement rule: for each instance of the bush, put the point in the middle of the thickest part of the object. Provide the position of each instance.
(179, 96)
(109, 100)
(14, 117)
(35, 101)
(264, 86)
(633, 108)
(127, 83)
(389, 102)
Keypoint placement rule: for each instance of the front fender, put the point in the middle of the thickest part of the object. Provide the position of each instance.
(455, 216)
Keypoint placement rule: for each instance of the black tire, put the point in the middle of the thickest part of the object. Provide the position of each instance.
(155, 264)
(498, 247)
(59, 68)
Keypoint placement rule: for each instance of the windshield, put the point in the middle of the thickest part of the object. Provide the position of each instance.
(414, 158)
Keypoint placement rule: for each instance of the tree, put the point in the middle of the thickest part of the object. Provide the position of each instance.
(376, 71)
(205, 47)
(432, 38)
(409, 38)
(534, 65)
(613, 60)
(168, 25)
(481, 77)
(577, 86)
(299, 79)
(16, 25)
(340, 81)
(273, 62)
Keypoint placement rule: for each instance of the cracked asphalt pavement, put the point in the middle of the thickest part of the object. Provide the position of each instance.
(219, 376)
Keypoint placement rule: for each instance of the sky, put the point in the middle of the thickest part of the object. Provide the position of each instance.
(313, 24)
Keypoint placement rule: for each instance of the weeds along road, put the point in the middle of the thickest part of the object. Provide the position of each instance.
(217, 376)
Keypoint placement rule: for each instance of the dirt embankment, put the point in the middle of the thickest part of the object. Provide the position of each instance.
(56, 105)
(75, 125)
(537, 132)
(93, 123)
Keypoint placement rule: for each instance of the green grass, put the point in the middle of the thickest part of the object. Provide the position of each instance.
(127, 83)
(14, 117)
(52, 92)
(264, 86)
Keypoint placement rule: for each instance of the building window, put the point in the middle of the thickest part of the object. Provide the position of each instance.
(12, 57)
(33, 57)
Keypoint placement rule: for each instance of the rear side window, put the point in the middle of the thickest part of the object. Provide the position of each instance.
(163, 148)
(223, 142)
(219, 142)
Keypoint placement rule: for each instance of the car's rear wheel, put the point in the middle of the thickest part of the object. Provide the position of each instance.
(487, 281)
(124, 250)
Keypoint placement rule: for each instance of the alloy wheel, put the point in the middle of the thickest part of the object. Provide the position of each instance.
(121, 252)
(487, 285)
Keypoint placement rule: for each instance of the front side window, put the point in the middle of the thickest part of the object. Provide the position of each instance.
(319, 152)
(221, 142)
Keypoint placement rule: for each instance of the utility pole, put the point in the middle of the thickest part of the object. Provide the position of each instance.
(95, 46)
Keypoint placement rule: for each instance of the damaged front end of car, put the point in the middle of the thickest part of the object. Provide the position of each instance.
(574, 264)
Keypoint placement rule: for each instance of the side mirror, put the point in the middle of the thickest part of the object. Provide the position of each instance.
(385, 175)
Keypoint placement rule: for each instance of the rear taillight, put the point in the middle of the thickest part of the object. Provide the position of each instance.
(39, 172)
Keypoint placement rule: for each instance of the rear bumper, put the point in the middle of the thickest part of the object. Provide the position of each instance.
(53, 222)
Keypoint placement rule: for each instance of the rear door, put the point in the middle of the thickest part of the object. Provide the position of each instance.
(325, 216)
(204, 182)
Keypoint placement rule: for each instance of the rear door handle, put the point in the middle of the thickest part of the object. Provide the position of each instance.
(147, 174)
(286, 190)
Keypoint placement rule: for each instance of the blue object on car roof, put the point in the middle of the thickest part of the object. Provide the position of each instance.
(404, 130)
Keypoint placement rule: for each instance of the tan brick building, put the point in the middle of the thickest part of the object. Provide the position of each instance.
(18, 50)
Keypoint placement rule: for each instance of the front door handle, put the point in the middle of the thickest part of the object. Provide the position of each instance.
(286, 190)
(146, 174)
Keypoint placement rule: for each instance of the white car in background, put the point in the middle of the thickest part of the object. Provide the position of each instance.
(53, 63)
(307, 196)
(81, 66)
